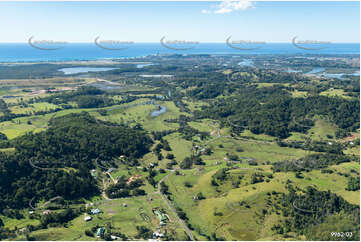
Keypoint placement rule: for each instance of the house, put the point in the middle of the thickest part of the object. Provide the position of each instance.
(133, 178)
(46, 212)
(87, 218)
(161, 216)
(100, 232)
(158, 234)
(95, 211)
(31, 212)
(113, 237)
(93, 173)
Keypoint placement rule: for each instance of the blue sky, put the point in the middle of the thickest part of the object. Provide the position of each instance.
(193, 21)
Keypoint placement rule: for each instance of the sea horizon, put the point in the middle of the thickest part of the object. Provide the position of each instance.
(24, 52)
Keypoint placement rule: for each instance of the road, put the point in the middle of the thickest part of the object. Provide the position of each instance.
(165, 199)
(171, 207)
(111, 177)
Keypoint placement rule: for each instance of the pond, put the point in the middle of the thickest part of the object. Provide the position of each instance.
(159, 111)
(104, 86)
(315, 70)
(144, 65)
(290, 70)
(246, 62)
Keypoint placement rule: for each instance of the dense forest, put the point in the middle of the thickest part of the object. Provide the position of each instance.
(272, 111)
(56, 162)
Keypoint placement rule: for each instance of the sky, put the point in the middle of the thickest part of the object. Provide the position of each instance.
(189, 21)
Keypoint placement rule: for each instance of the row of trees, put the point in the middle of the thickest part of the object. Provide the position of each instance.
(310, 162)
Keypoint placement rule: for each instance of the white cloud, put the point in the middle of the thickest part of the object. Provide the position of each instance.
(229, 6)
(204, 11)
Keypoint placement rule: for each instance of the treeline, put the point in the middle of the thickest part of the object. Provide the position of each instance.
(318, 146)
(31, 71)
(310, 162)
(56, 162)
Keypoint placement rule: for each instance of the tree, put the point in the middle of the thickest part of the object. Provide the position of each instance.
(3, 136)
(170, 156)
(89, 233)
(353, 184)
(200, 196)
(187, 184)
(186, 163)
(143, 232)
(163, 188)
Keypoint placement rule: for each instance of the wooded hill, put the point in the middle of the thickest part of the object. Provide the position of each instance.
(57, 162)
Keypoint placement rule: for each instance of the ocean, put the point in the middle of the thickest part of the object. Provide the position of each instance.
(23, 52)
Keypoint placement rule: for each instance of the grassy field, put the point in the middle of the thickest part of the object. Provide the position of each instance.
(261, 152)
(335, 92)
(220, 211)
(234, 223)
(297, 93)
(321, 129)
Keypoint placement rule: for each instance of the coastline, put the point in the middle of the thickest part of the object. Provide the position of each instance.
(89, 54)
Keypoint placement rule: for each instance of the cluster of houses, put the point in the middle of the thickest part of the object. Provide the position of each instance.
(158, 234)
(100, 232)
(162, 217)
(94, 211)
